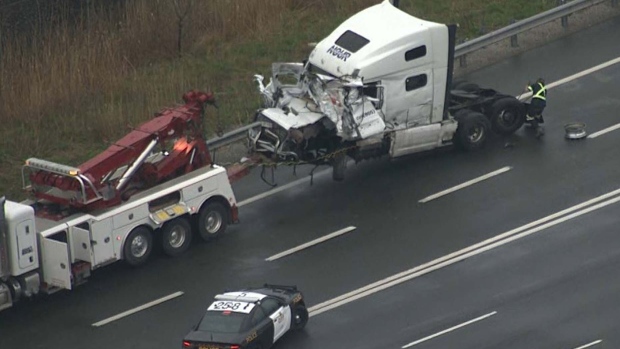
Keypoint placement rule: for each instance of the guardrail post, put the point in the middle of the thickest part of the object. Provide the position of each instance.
(565, 18)
(514, 42)
(463, 61)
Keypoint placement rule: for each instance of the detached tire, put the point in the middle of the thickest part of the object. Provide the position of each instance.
(507, 115)
(138, 246)
(212, 221)
(472, 131)
(176, 236)
(300, 317)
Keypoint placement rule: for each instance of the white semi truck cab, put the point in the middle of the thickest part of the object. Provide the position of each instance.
(380, 83)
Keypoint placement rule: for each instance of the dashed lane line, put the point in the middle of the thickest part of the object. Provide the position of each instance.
(310, 243)
(466, 184)
(138, 309)
(480, 318)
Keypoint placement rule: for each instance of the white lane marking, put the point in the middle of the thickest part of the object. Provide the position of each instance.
(603, 131)
(575, 76)
(450, 329)
(590, 344)
(279, 189)
(466, 184)
(311, 243)
(137, 309)
(465, 253)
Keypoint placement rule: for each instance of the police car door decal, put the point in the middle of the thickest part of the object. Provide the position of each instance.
(281, 322)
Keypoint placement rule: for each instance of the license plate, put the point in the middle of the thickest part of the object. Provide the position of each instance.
(208, 347)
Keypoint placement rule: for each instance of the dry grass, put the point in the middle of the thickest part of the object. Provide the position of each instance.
(71, 87)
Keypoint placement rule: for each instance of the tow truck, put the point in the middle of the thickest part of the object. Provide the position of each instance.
(379, 84)
(158, 183)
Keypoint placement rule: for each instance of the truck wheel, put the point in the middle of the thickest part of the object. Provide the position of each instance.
(507, 115)
(472, 131)
(212, 221)
(300, 317)
(138, 246)
(176, 236)
(339, 166)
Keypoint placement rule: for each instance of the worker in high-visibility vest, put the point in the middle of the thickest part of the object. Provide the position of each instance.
(537, 105)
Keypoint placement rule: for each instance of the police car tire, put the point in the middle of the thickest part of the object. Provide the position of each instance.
(178, 229)
(213, 210)
(139, 235)
(512, 106)
(469, 121)
(300, 317)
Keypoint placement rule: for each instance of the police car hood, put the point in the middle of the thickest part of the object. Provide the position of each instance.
(215, 337)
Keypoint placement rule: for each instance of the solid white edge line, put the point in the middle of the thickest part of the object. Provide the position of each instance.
(590, 344)
(446, 260)
(310, 243)
(279, 189)
(285, 186)
(450, 329)
(137, 309)
(574, 76)
(603, 131)
(466, 184)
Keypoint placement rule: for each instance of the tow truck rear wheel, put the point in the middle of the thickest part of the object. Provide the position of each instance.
(212, 221)
(138, 246)
(472, 130)
(507, 115)
(176, 236)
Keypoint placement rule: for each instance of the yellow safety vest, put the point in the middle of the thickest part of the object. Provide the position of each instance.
(542, 92)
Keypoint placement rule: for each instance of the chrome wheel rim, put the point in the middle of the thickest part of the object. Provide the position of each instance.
(213, 223)
(139, 246)
(177, 237)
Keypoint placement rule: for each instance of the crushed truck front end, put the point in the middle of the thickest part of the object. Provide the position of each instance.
(380, 72)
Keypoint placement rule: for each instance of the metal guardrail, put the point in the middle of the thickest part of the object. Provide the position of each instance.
(234, 135)
(524, 25)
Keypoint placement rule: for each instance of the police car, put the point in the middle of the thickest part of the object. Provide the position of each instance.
(251, 318)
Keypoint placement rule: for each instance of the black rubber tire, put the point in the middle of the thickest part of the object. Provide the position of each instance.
(339, 166)
(176, 236)
(472, 130)
(466, 86)
(507, 115)
(299, 318)
(212, 221)
(138, 246)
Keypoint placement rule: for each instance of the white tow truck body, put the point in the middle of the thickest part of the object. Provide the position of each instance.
(41, 253)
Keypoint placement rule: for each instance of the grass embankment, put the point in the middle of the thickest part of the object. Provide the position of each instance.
(69, 90)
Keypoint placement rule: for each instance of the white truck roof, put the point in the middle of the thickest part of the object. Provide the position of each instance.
(388, 31)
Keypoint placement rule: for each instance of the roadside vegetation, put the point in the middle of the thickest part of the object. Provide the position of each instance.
(77, 82)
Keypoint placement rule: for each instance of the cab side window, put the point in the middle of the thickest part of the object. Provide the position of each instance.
(269, 305)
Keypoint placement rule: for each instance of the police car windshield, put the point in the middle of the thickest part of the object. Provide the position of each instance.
(222, 321)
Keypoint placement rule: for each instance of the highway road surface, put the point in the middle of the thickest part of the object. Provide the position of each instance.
(513, 246)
